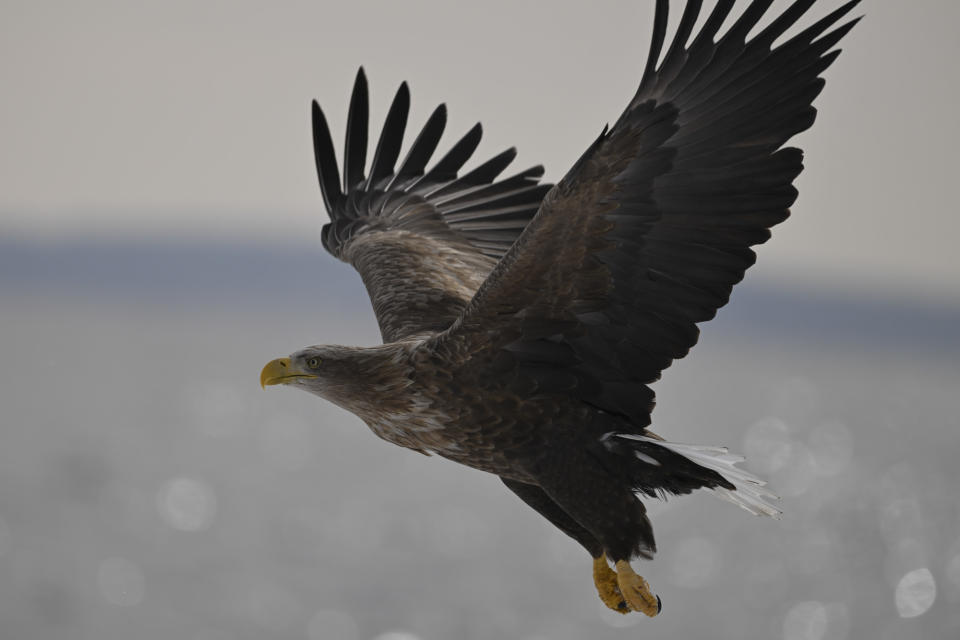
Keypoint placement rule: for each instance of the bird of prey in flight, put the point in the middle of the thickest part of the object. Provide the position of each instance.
(523, 323)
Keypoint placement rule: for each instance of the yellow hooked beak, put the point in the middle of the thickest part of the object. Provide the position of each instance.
(281, 371)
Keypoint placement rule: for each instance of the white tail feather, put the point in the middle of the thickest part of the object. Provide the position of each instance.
(750, 492)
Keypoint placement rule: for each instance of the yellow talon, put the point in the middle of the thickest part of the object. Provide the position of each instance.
(605, 579)
(636, 591)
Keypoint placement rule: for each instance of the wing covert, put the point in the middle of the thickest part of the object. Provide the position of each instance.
(422, 240)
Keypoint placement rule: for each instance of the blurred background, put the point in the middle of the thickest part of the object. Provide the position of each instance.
(159, 242)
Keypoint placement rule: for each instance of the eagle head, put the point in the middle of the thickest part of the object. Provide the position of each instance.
(343, 375)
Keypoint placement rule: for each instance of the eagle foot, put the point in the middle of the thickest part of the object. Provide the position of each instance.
(605, 580)
(636, 591)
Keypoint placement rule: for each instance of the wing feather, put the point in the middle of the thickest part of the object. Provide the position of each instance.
(422, 149)
(447, 167)
(653, 226)
(355, 144)
(326, 159)
(388, 148)
(420, 264)
(481, 175)
(523, 181)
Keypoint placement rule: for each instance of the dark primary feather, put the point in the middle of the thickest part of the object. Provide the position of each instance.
(325, 159)
(422, 240)
(421, 149)
(355, 145)
(388, 148)
(649, 231)
(447, 167)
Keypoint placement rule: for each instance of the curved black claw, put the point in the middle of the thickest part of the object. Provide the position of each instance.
(659, 605)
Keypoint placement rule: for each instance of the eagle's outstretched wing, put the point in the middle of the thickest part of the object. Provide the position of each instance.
(422, 240)
(649, 231)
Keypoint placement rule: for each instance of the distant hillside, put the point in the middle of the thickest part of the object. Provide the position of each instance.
(250, 276)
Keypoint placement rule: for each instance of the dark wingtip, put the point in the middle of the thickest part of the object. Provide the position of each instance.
(470, 141)
(536, 171)
(474, 135)
(450, 164)
(814, 31)
(403, 94)
(355, 145)
(391, 138)
(660, 17)
(486, 173)
(424, 145)
(326, 161)
(854, 21)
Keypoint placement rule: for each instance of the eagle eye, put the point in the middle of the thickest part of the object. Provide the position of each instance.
(313, 363)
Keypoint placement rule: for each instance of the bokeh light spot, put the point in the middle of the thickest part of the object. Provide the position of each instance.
(915, 593)
(805, 621)
(121, 582)
(900, 518)
(797, 475)
(767, 444)
(187, 504)
(838, 621)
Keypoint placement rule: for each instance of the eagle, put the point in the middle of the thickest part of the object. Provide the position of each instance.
(523, 323)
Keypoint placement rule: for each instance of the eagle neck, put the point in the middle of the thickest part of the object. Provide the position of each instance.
(371, 380)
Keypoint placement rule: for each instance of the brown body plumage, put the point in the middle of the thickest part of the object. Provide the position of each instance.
(523, 323)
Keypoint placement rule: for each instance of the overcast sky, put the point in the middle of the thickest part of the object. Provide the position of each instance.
(192, 118)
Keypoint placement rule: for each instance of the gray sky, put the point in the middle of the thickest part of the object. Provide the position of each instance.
(191, 118)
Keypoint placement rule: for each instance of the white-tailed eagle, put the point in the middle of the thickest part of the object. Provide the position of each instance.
(523, 323)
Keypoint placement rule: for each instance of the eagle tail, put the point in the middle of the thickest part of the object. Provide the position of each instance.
(744, 489)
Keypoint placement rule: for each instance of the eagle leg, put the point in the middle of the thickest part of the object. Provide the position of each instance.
(605, 580)
(636, 591)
